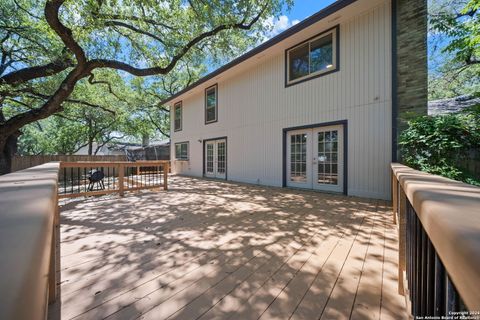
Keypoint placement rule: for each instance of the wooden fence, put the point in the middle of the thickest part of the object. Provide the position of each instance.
(24, 162)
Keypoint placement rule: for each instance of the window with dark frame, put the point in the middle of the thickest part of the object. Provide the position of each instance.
(211, 104)
(313, 57)
(177, 116)
(181, 151)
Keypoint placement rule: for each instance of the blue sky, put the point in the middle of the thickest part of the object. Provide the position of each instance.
(304, 8)
(300, 10)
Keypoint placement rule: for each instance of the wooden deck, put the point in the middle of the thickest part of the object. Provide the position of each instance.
(217, 250)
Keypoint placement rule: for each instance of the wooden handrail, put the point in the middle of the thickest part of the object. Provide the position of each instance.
(449, 213)
(28, 216)
(29, 221)
(88, 164)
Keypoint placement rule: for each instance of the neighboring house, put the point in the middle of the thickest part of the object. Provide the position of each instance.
(156, 150)
(452, 105)
(319, 106)
(103, 151)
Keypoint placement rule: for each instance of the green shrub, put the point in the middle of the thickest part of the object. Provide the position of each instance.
(438, 144)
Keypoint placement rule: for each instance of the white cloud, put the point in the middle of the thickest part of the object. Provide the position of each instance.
(277, 25)
(281, 24)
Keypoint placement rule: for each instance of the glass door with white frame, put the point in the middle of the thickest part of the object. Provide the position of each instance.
(315, 158)
(216, 158)
(299, 154)
(328, 158)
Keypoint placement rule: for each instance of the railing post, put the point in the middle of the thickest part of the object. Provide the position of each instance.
(402, 235)
(394, 197)
(165, 176)
(121, 174)
(52, 273)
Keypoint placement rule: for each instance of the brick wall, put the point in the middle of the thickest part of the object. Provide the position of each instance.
(411, 54)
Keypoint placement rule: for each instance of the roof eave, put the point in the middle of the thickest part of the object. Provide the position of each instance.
(322, 14)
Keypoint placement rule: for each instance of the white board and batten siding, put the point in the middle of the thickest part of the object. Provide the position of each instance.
(254, 107)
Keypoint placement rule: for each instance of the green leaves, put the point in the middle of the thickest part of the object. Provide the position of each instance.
(443, 144)
(455, 30)
(172, 41)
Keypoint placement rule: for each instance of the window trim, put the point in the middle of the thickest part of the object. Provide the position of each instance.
(188, 151)
(216, 103)
(175, 106)
(336, 57)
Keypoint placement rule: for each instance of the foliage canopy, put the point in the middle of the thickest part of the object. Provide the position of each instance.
(442, 144)
(52, 50)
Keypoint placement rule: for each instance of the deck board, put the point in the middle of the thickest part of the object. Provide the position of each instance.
(216, 250)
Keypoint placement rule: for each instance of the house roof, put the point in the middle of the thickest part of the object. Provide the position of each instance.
(452, 105)
(336, 6)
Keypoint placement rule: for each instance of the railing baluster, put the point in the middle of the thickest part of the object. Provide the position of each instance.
(439, 295)
(409, 250)
(418, 260)
(64, 180)
(452, 297)
(430, 278)
(71, 180)
(423, 274)
(165, 176)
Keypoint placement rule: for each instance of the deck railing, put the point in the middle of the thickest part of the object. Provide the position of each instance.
(439, 243)
(28, 216)
(29, 223)
(99, 178)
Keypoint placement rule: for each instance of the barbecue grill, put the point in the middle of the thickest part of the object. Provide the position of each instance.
(95, 177)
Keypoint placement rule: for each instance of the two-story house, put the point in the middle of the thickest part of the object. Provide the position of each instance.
(319, 106)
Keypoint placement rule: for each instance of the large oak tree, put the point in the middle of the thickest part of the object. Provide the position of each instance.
(49, 47)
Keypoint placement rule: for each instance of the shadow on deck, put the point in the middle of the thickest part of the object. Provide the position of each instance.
(218, 250)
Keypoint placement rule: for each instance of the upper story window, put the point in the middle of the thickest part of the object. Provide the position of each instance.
(313, 58)
(181, 151)
(177, 116)
(211, 103)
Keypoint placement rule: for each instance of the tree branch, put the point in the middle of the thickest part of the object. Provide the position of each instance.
(92, 81)
(76, 101)
(31, 73)
(134, 29)
(142, 72)
(134, 18)
(156, 125)
(26, 11)
(52, 8)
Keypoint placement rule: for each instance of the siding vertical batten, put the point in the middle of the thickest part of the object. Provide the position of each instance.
(256, 107)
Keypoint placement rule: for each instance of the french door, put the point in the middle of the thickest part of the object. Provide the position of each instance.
(315, 158)
(216, 158)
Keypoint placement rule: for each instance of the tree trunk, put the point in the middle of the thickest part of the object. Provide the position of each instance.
(90, 147)
(8, 148)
